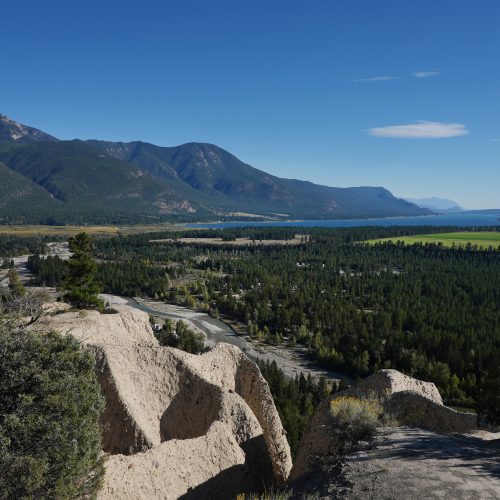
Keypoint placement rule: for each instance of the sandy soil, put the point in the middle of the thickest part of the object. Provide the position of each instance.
(113, 299)
(299, 238)
(412, 464)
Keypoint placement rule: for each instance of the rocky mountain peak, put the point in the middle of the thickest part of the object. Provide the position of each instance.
(12, 131)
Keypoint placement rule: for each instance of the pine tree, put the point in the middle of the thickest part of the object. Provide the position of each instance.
(488, 398)
(80, 287)
(15, 285)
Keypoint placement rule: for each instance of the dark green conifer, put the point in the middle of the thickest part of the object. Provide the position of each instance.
(80, 287)
(15, 285)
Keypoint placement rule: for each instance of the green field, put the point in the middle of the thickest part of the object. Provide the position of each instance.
(481, 239)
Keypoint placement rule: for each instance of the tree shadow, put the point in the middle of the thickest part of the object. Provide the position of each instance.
(460, 450)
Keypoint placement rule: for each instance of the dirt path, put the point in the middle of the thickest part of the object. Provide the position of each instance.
(414, 464)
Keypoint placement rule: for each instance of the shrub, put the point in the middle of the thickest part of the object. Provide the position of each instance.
(182, 338)
(50, 406)
(355, 419)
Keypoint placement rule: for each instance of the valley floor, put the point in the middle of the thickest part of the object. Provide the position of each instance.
(292, 361)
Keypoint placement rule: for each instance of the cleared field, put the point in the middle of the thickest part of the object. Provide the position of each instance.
(481, 239)
(71, 230)
(299, 238)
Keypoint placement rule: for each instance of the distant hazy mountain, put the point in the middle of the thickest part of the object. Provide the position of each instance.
(485, 211)
(98, 181)
(437, 204)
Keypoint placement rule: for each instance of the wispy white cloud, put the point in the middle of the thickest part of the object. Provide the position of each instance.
(420, 130)
(495, 139)
(425, 74)
(374, 79)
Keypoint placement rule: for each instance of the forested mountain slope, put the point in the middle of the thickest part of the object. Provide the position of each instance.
(99, 182)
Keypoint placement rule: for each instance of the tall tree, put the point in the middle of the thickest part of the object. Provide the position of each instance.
(488, 399)
(15, 285)
(80, 287)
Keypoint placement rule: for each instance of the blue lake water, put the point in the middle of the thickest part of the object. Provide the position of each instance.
(464, 220)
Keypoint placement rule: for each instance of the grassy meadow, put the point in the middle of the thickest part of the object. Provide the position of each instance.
(483, 239)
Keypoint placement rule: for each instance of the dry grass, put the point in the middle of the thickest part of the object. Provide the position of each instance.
(32, 230)
(297, 240)
(356, 418)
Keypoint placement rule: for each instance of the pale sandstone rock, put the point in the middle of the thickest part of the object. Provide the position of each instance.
(197, 417)
(408, 400)
(386, 383)
(413, 409)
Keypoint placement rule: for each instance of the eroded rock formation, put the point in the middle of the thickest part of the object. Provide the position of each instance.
(385, 383)
(407, 400)
(176, 424)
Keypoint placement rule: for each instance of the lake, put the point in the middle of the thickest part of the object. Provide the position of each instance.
(462, 220)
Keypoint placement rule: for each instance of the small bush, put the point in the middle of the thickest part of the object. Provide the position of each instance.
(109, 310)
(355, 419)
(182, 337)
(50, 406)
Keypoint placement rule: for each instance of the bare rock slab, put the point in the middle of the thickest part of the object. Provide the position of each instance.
(176, 424)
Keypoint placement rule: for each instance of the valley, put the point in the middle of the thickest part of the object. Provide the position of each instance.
(328, 302)
(291, 360)
(250, 250)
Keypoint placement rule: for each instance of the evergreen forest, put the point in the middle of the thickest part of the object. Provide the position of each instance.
(429, 311)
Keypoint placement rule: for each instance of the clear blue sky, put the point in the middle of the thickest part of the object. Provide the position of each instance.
(299, 89)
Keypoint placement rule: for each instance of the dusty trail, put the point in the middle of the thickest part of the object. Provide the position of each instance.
(413, 464)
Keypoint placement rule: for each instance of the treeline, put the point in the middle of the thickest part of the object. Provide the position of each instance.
(146, 246)
(12, 246)
(131, 279)
(295, 399)
(426, 310)
(429, 311)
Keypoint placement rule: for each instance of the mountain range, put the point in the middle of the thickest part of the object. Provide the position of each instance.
(49, 181)
(438, 205)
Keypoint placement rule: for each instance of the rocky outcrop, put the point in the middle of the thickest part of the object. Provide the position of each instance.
(413, 409)
(385, 383)
(178, 424)
(407, 400)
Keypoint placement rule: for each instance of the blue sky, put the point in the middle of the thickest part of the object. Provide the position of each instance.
(399, 93)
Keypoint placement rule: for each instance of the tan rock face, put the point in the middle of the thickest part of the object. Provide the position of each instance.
(207, 423)
(386, 383)
(413, 409)
(408, 400)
